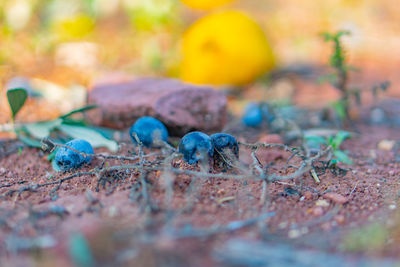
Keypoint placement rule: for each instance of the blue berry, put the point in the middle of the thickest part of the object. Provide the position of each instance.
(226, 150)
(67, 159)
(253, 115)
(195, 147)
(223, 141)
(149, 131)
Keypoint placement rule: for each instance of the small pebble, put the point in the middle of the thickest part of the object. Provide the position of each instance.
(282, 225)
(386, 145)
(317, 211)
(221, 191)
(335, 197)
(339, 219)
(295, 233)
(322, 203)
(113, 211)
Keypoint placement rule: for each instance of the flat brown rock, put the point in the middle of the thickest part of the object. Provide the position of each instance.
(182, 107)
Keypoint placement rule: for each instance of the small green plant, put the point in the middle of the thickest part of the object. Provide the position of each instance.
(61, 129)
(333, 141)
(339, 78)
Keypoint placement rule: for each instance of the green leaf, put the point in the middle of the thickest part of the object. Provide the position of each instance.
(52, 155)
(342, 157)
(327, 36)
(340, 110)
(330, 141)
(16, 99)
(106, 132)
(29, 141)
(90, 135)
(315, 139)
(83, 109)
(79, 250)
(70, 121)
(333, 162)
(339, 138)
(41, 130)
(334, 36)
(342, 33)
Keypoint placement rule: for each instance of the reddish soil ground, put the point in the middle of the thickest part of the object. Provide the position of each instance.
(125, 228)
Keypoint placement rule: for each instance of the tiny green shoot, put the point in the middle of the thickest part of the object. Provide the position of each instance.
(335, 142)
(339, 78)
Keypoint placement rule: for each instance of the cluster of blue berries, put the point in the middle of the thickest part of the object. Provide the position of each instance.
(198, 147)
(257, 113)
(194, 146)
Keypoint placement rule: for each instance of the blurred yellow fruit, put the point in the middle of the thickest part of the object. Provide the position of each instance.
(225, 48)
(206, 4)
(74, 27)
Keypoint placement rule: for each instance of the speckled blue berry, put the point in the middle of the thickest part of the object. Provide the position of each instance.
(253, 115)
(196, 146)
(67, 159)
(223, 141)
(149, 130)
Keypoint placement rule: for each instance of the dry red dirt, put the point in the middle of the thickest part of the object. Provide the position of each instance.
(305, 213)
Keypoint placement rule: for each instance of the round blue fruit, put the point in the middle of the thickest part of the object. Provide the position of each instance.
(226, 150)
(253, 115)
(195, 147)
(67, 159)
(150, 131)
(224, 143)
